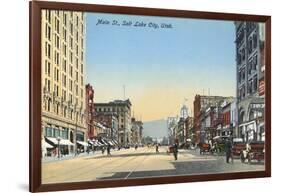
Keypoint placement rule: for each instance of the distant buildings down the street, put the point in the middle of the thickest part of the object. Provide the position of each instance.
(220, 117)
(208, 117)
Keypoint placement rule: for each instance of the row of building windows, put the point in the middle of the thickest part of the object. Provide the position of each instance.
(240, 36)
(241, 56)
(55, 132)
(113, 109)
(64, 69)
(252, 43)
(250, 26)
(251, 69)
(64, 111)
(56, 87)
(252, 86)
(64, 79)
(65, 19)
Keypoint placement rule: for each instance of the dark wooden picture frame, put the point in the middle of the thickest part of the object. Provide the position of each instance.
(35, 95)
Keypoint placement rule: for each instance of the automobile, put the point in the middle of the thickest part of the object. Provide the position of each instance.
(253, 151)
(171, 149)
(237, 147)
(205, 147)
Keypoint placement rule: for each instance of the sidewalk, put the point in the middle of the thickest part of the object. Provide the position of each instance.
(72, 156)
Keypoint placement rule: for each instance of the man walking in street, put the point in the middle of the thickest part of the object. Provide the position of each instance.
(175, 151)
(228, 149)
(157, 148)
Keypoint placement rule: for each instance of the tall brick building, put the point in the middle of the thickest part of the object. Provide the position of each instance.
(90, 111)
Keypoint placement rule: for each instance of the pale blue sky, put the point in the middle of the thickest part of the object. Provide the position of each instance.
(159, 66)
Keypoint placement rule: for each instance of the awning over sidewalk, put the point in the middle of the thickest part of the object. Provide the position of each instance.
(104, 141)
(111, 142)
(96, 143)
(62, 141)
(46, 145)
(115, 141)
(91, 142)
(99, 144)
(82, 143)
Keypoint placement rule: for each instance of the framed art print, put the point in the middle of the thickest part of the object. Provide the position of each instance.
(123, 96)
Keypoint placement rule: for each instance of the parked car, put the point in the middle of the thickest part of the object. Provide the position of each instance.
(171, 149)
(205, 148)
(238, 147)
(253, 151)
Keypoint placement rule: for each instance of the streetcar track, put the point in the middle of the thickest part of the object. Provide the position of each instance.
(87, 165)
(78, 168)
(144, 157)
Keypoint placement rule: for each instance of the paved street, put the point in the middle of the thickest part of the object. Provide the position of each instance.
(143, 162)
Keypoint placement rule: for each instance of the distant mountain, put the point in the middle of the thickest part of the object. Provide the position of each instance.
(155, 129)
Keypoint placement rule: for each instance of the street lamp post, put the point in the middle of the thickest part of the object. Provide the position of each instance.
(58, 138)
(75, 145)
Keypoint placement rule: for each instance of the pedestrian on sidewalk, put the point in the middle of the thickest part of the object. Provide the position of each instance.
(102, 150)
(175, 151)
(108, 149)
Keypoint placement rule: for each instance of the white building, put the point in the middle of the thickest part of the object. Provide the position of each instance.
(63, 87)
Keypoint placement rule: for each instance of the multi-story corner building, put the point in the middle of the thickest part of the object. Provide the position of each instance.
(90, 111)
(110, 121)
(250, 79)
(200, 104)
(136, 131)
(123, 110)
(63, 75)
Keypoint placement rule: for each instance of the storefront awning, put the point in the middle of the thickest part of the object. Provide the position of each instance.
(104, 142)
(82, 143)
(96, 143)
(62, 141)
(99, 144)
(91, 142)
(115, 141)
(46, 145)
(111, 142)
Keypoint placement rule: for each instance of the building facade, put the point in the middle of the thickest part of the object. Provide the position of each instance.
(110, 121)
(63, 74)
(250, 68)
(136, 131)
(180, 131)
(123, 110)
(189, 130)
(90, 110)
